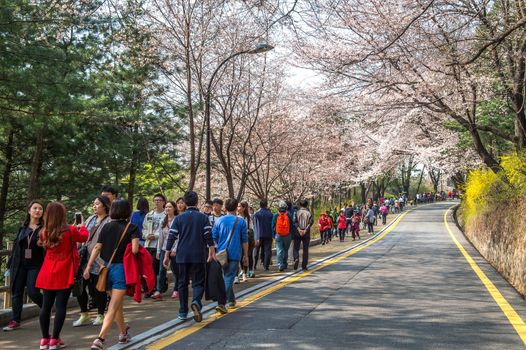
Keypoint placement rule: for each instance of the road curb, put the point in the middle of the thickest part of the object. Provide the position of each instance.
(169, 327)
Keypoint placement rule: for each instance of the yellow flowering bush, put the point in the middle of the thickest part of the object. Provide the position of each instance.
(514, 167)
(479, 186)
(484, 187)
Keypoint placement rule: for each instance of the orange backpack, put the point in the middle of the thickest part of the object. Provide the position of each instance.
(283, 224)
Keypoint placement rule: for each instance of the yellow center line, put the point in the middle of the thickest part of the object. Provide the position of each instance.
(183, 333)
(514, 318)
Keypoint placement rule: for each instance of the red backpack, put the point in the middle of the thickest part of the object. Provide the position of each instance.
(283, 224)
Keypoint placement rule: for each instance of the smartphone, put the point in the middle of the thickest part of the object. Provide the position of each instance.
(78, 218)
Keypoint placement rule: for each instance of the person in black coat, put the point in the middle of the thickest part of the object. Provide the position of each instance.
(25, 262)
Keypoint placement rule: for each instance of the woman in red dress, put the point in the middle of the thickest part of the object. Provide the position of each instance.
(58, 270)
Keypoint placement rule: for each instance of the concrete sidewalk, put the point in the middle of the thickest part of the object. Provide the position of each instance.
(148, 314)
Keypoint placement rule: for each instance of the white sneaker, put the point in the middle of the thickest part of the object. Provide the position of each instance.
(83, 320)
(98, 321)
(244, 277)
(236, 280)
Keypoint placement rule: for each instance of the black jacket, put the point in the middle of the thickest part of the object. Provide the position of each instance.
(215, 284)
(15, 260)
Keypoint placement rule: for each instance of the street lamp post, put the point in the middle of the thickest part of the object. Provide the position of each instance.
(260, 48)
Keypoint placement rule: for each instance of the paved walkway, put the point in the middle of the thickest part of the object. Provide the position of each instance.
(412, 289)
(144, 316)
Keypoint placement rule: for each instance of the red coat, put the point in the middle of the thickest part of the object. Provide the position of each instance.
(138, 267)
(323, 222)
(342, 222)
(58, 270)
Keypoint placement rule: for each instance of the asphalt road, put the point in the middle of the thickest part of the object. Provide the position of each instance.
(413, 289)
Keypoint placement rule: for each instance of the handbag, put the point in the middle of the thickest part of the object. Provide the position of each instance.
(103, 273)
(76, 288)
(222, 256)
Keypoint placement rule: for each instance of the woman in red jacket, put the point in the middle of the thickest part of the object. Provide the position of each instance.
(342, 225)
(58, 270)
(323, 224)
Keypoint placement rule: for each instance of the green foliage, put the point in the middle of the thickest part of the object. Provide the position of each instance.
(87, 80)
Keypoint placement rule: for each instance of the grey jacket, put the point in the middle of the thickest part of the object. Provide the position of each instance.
(304, 220)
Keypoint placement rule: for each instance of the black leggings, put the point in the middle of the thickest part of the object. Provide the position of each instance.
(342, 233)
(60, 299)
(100, 298)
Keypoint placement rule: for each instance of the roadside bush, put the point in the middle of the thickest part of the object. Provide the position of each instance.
(493, 220)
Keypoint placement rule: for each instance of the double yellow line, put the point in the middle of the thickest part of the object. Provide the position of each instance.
(508, 310)
(183, 333)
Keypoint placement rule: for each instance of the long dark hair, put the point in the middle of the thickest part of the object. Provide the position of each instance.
(143, 206)
(246, 214)
(27, 221)
(54, 224)
(165, 220)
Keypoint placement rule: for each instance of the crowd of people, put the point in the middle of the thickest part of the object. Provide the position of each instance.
(115, 252)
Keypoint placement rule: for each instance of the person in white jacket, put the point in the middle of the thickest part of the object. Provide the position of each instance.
(151, 229)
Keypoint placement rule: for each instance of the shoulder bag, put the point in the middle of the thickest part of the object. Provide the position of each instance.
(222, 256)
(103, 274)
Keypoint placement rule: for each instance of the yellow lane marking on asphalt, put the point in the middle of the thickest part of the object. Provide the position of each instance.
(183, 333)
(508, 310)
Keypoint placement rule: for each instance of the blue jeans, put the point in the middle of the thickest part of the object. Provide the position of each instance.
(25, 277)
(162, 281)
(229, 273)
(282, 248)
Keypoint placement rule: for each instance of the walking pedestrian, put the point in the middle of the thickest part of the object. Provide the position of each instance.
(248, 269)
(137, 218)
(193, 231)
(94, 224)
(110, 192)
(58, 270)
(323, 224)
(384, 210)
(330, 225)
(111, 246)
(370, 219)
(303, 222)
(355, 224)
(152, 230)
(217, 210)
(263, 235)
(25, 262)
(231, 233)
(207, 207)
(170, 209)
(281, 228)
(342, 225)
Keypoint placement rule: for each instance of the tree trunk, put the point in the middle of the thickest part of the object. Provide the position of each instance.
(193, 160)
(133, 164)
(435, 178)
(483, 152)
(32, 192)
(363, 192)
(419, 182)
(5, 183)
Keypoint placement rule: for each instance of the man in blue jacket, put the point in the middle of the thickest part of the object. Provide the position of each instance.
(192, 231)
(231, 232)
(263, 234)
